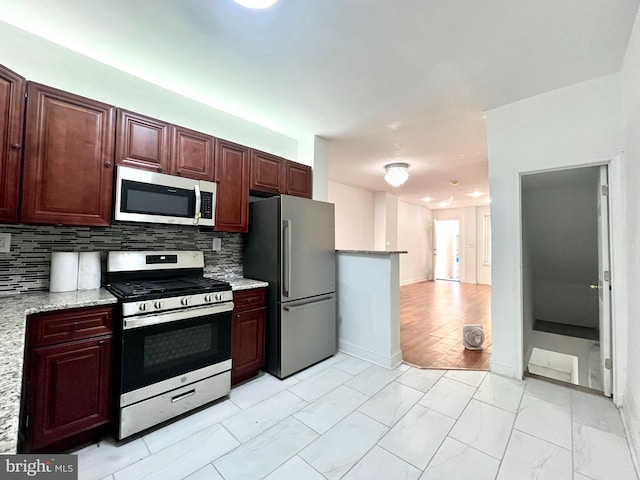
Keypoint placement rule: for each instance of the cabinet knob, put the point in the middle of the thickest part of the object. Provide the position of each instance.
(16, 146)
(75, 325)
(107, 164)
(101, 343)
(159, 169)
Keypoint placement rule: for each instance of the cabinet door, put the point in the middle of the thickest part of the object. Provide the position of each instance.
(70, 390)
(142, 142)
(267, 173)
(247, 351)
(68, 171)
(232, 175)
(191, 154)
(298, 179)
(12, 91)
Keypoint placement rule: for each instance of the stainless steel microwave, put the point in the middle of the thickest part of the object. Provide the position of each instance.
(144, 196)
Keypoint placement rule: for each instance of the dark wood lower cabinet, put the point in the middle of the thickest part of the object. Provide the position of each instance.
(247, 333)
(69, 393)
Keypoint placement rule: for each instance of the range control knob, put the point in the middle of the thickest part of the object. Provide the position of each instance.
(143, 307)
(208, 298)
(158, 304)
(185, 301)
(219, 297)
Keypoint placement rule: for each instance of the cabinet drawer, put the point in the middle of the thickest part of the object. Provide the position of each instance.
(55, 327)
(249, 299)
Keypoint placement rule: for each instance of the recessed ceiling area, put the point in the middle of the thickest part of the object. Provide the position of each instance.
(384, 81)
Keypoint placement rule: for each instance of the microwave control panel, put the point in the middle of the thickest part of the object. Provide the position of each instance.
(206, 205)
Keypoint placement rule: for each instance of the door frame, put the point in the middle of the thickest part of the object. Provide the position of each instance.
(619, 292)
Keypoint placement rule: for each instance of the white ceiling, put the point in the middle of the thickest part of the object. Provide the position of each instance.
(383, 80)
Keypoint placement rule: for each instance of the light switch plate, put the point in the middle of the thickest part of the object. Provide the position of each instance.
(217, 244)
(5, 242)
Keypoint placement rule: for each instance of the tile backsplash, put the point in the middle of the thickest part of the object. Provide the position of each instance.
(26, 267)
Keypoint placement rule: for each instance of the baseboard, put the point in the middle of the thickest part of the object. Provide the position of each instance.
(414, 280)
(504, 369)
(387, 361)
(633, 438)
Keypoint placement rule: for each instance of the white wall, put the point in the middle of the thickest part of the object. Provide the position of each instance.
(45, 62)
(577, 125)
(414, 230)
(386, 221)
(354, 216)
(631, 277)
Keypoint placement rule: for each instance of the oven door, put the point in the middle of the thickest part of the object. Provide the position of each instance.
(169, 350)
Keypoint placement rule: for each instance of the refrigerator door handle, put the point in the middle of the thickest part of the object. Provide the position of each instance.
(298, 306)
(286, 257)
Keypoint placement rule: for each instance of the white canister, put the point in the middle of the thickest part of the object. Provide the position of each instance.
(89, 270)
(64, 272)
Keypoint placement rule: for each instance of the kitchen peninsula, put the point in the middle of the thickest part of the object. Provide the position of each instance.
(368, 287)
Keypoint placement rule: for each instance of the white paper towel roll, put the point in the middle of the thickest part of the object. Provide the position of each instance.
(64, 272)
(89, 270)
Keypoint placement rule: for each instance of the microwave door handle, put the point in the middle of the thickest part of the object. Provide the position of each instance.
(196, 218)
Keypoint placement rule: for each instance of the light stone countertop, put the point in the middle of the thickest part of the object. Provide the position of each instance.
(13, 315)
(240, 283)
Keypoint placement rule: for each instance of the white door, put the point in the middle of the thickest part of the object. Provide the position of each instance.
(446, 251)
(604, 281)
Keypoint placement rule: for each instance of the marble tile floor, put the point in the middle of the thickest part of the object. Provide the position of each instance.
(346, 418)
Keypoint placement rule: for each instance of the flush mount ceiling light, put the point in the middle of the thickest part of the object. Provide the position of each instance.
(396, 173)
(256, 4)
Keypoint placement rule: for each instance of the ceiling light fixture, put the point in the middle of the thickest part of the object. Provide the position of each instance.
(256, 4)
(396, 173)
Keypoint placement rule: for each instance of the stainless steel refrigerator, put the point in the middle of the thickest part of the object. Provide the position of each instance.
(291, 245)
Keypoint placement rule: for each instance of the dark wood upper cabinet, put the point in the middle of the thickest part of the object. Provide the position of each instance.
(12, 92)
(267, 173)
(298, 179)
(68, 159)
(192, 154)
(232, 175)
(142, 142)
(271, 175)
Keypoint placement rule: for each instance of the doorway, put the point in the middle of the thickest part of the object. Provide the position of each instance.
(565, 268)
(447, 250)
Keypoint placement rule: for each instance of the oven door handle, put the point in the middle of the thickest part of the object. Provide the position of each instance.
(176, 315)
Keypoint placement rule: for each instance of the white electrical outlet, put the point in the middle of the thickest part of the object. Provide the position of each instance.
(217, 244)
(5, 242)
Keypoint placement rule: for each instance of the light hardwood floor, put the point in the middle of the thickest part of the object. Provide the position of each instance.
(432, 315)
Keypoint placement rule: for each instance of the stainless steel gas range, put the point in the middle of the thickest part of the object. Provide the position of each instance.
(176, 335)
